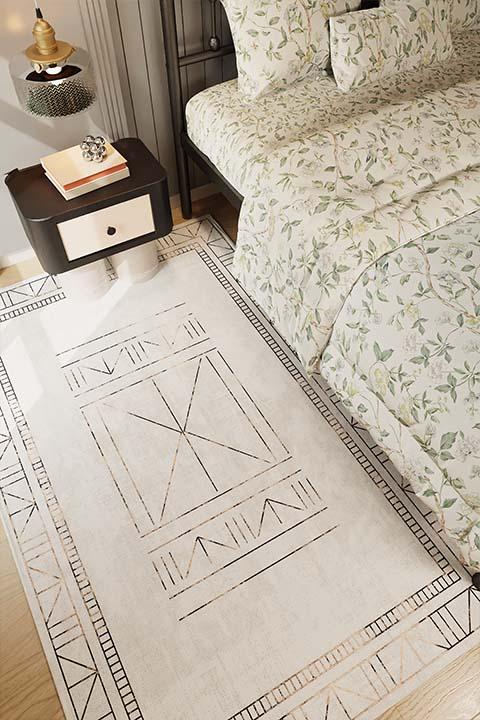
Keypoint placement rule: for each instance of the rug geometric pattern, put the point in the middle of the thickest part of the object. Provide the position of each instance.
(83, 683)
(19, 298)
(199, 436)
(177, 424)
(349, 697)
(266, 499)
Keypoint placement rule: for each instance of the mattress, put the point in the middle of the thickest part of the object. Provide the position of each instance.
(239, 136)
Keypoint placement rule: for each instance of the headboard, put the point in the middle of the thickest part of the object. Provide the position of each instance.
(199, 53)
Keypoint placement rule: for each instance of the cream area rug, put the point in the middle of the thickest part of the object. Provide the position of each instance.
(202, 533)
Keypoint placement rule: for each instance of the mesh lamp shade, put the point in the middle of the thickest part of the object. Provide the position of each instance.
(51, 77)
(54, 94)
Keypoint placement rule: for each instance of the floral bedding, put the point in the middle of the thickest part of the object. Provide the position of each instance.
(381, 42)
(404, 358)
(465, 13)
(219, 118)
(328, 206)
(279, 41)
(375, 189)
(343, 191)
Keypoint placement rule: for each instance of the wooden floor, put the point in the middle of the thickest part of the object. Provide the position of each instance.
(26, 687)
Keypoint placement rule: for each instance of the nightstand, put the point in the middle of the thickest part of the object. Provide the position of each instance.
(120, 220)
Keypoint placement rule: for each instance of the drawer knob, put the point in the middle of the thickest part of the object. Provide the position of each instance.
(111, 230)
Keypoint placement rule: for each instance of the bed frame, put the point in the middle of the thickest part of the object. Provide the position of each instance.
(177, 68)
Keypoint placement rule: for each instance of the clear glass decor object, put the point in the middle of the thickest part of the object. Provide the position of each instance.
(57, 91)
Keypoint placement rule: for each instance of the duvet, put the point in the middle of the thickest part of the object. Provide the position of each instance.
(327, 208)
(404, 358)
(330, 205)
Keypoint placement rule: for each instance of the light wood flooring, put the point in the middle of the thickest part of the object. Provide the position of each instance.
(26, 687)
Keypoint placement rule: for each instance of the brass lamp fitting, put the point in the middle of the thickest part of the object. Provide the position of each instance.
(47, 50)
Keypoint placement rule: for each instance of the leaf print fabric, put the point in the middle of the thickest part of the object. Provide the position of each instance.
(218, 119)
(280, 41)
(332, 205)
(404, 358)
(465, 14)
(335, 183)
(376, 44)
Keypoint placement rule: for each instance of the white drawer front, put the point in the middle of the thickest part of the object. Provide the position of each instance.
(88, 234)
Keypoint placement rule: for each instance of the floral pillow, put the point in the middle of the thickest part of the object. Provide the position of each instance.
(373, 45)
(465, 14)
(280, 41)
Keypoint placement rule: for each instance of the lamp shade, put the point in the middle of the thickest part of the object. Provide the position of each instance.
(57, 91)
(51, 77)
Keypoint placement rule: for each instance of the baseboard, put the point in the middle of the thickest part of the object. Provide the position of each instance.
(16, 258)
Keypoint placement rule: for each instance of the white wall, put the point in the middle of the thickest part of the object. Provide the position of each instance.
(23, 138)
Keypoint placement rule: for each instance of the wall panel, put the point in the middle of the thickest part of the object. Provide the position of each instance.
(137, 28)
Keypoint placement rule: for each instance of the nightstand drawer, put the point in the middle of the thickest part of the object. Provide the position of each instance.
(106, 228)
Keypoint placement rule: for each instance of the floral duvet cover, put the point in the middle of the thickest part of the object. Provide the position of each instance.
(330, 205)
(404, 358)
(370, 190)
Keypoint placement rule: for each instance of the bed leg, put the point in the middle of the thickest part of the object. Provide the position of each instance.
(184, 184)
(476, 581)
(177, 106)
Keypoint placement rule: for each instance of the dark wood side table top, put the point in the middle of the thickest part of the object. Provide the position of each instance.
(38, 200)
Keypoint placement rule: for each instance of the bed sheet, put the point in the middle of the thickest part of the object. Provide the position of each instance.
(340, 186)
(239, 136)
(331, 205)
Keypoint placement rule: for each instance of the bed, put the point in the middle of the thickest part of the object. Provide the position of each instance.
(359, 237)
(218, 118)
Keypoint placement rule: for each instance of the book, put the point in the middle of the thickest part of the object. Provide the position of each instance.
(73, 175)
(92, 184)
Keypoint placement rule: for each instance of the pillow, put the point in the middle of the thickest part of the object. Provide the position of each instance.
(465, 14)
(373, 45)
(280, 41)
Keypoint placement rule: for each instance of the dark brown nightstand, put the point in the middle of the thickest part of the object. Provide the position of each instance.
(70, 234)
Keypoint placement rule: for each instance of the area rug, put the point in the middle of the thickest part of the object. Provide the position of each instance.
(202, 532)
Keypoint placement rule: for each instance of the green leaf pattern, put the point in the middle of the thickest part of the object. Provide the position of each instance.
(337, 187)
(325, 207)
(349, 191)
(465, 14)
(404, 358)
(280, 41)
(377, 44)
(241, 138)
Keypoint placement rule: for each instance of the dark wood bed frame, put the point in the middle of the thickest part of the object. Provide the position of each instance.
(176, 62)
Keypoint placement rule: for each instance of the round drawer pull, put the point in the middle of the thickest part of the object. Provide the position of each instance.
(111, 230)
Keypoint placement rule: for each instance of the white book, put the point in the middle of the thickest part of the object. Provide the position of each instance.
(69, 167)
(89, 186)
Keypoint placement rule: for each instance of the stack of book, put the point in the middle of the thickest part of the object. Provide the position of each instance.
(73, 175)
